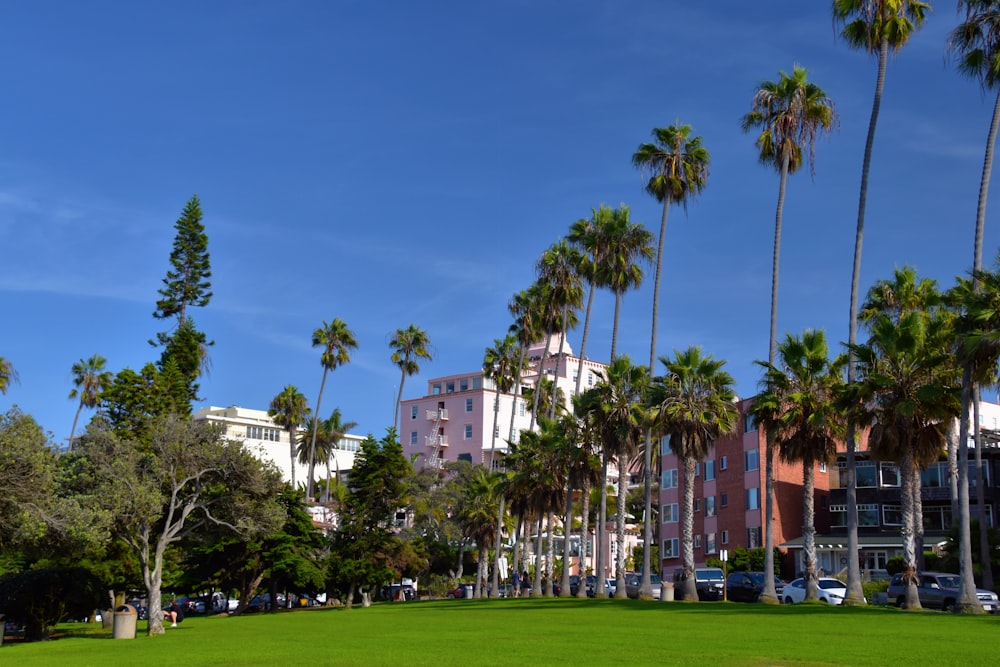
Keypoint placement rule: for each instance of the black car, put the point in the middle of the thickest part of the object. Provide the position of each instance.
(709, 581)
(747, 586)
(590, 585)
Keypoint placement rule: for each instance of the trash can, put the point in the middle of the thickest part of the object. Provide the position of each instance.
(666, 592)
(107, 617)
(124, 622)
(468, 589)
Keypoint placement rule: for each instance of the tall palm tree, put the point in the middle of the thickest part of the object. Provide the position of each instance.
(976, 44)
(790, 114)
(878, 27)
(8, 374)
(693, 404)
(629, 245)
(617, 403)
(585, 468)
(677, 166)
(906, 392)
(335, 428)
(337, 341)
(289, 410)
(558, 274)
(797, 410)
(89, 379)
(408, 345)
(590, 237)
(500, 364)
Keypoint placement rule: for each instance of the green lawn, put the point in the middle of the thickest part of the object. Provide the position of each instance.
(539, 632)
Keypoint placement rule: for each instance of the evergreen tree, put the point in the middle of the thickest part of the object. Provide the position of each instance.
(187, 283)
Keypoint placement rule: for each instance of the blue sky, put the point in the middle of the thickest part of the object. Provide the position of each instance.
(398, 162)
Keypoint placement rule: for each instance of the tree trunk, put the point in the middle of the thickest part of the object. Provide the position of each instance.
(550, 553)
(398, 418)
(620, 528)
(602, 528)
(584, 537)
(985, 559)
(907, 471)
(689, 590)
(536, 586)
(538, 383)
(567, 530)
(583, 343)
(969, 603)
(809, 530)
(72, 431)
(312, 443)
(291, 452)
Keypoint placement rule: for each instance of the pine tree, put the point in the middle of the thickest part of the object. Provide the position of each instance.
(187, 283)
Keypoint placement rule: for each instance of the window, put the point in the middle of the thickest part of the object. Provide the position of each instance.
(697, 541)
(436, 388)
(822, 466)
(710, 546)
(468, 431)
(751, 460)
(709, 506)
(669, 479)
(866, 474)
(413, 437)
(520, 408)
(575, 375)
(867, 516)
(465, 457)
(670, 513)
(723, 462)
(590, 378)
(697, 470)
(876, 560)
(889, 475)
(463, 384)
(450, 387)
(496, 431)
(753, 538)
(468, 405)
(670, 548)
(724, 500)
(697, 504)
(709, 471)
(753, 498)
(477, 383)
(725, 537)
(413, 412)
(749, 424)
(892, 515)
(938, 518)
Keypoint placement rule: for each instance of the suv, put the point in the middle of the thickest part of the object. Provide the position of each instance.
(633, 582)
(939, 590)
(710, 582)
(747, 586)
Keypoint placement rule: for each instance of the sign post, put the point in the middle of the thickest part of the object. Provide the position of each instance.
(724, 557)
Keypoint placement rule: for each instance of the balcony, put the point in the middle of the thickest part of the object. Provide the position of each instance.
(437, 441)
(435, 415)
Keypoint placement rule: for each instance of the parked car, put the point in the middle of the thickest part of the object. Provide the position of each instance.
(459, 591)
(611, 586)
(831, 591)
(590, 585)
(709, 582)
(633, 582)
(939, 590)
(394, 592)
(747, 586)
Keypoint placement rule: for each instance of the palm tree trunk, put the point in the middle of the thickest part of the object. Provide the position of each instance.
(620, 527)
(918, 522)
(567, 526)
(536, 586)
(72, 431)
(602, 528)
(583, 342)
(398, 418)
(555, 376)
(769, 594)
(809, 530)
(907, 471)
(953, 430)
(312, 443)
(855, 595)
(496, 552)
(550, 553)
(689, 591)
(291, 452)
(584, 536)
(516, 556)
(984, 541)
(538, 383)
(969, 601)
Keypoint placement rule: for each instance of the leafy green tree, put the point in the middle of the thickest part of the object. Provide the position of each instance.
(187, 283)
(365, 541)
(693, 404)
(184, 359)
(133, 399)
(8, 374)
(89, 379)
(28, 473)
(408, 346)
(677, 167)
(329, 434)
(879, 27)
(478, 516)
(43, 597)
(289, 410)
(337, 342)
(797, 410)
(185, 477)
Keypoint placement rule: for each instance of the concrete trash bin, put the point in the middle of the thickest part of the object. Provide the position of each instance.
(666, 592)
(468, 589)
(124, 622)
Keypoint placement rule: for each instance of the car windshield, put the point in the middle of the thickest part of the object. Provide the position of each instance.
(831, 583)
(654, 579)
(948, 582)
(710, 575)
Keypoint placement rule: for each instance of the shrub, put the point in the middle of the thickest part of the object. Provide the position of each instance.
(43, 597)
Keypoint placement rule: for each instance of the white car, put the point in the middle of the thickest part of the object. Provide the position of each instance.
(831, 591)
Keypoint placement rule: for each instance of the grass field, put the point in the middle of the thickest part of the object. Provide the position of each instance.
(539, 632)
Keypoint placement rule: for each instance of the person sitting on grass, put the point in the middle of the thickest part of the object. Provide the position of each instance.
(174, 614)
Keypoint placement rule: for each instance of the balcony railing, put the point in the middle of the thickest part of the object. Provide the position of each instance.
(434, 415)
(437, 441)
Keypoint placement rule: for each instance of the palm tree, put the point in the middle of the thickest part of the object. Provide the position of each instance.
(500, 364)
(337, 341)
(677, 165)
(335, 428)
(976, 43)
(477, 516)
(89, 380)
(907, 391)
(797, 410)
(790, 113)
(616, 403)
(693, 404)
(8, 374)
(875, 26)
(589, 236)
(289, 410)
(584, 468)
(408, 346)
